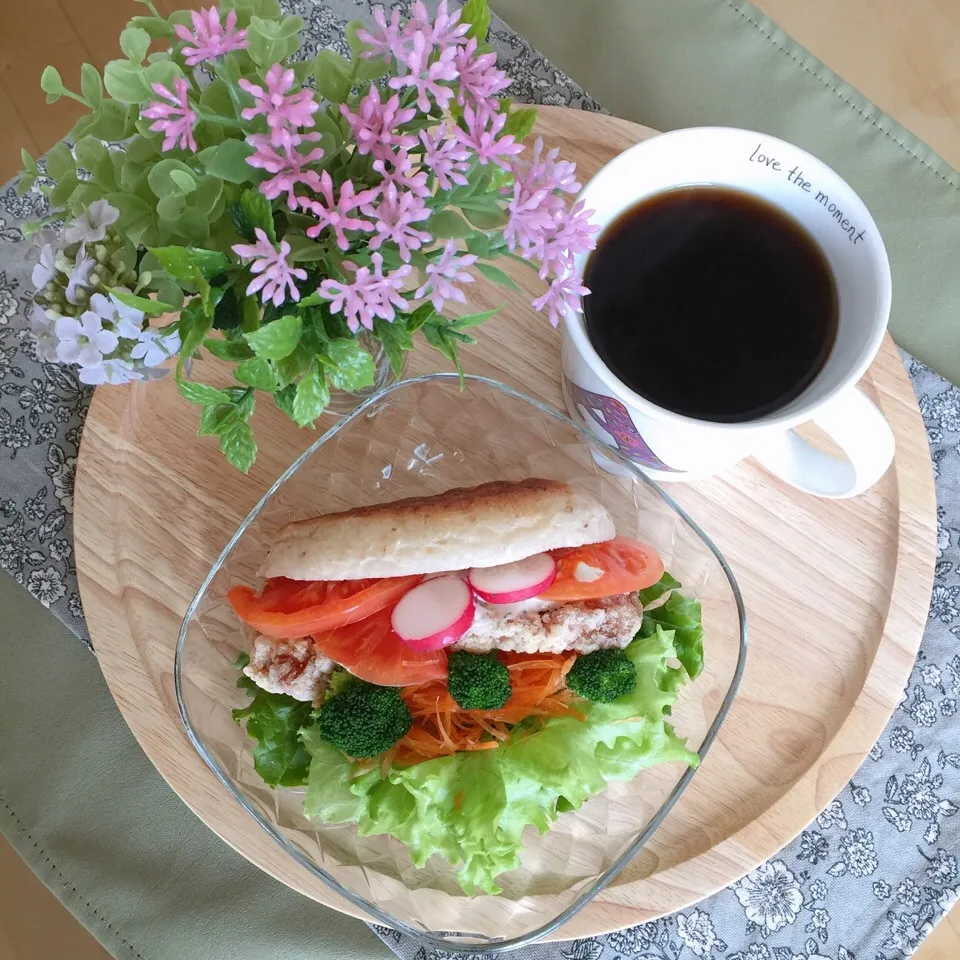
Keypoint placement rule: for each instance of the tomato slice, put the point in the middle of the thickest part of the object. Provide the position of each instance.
(627, 566)
(371, 651)
(297, 608)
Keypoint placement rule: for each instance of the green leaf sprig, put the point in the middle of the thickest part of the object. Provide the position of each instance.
(183, 211)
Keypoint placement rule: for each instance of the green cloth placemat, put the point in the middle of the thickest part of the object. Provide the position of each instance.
(683, 63)
(82, 804)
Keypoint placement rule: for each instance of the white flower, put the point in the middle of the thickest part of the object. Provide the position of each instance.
(907, 930)
(91, 225)
(754, 951)
(127, 321)
(901, 739)
(943, 868)
(818, 889)
(857, 851)
(948, 898)
(881, 889)
(8, 304)
(62, 471)
(83, 340)
(633, 939)
(832, 816)
(46, 585)
(80, 275)
(770, 896)
(109, 371)
(697, 933)
(861, 795)
(931, 675)
(60, 549)
(908, 893)
(42, 327)
(153, 347)
(45, 270)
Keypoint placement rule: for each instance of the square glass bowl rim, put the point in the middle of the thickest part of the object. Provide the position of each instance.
(438, 939)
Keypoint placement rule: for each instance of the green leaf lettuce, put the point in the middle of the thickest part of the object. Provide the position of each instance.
(682, 616)
(273, 720)
(472, 808)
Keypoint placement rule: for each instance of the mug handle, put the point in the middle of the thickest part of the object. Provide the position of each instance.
(857, 427)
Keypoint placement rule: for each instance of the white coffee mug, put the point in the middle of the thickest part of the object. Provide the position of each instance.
(670, 446)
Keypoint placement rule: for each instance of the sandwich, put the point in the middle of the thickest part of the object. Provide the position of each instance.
(496, 631)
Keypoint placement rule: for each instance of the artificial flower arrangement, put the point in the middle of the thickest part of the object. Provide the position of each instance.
(288, 216)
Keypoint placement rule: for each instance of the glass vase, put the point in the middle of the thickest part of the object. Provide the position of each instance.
(343, 402)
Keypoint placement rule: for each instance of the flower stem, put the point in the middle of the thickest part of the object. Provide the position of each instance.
(217, 66)
(75, 96)
(513, 256)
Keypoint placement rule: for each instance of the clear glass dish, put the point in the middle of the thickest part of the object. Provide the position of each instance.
(421, 437)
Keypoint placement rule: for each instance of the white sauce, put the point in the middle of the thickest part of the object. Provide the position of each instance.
(584, 573)
(507, 611)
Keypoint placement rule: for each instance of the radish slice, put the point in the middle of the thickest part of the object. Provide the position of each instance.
(513, 582)
(434, 614)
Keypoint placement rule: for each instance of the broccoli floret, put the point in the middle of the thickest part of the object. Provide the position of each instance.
(363, 719)
(478, 681)
(602, 676)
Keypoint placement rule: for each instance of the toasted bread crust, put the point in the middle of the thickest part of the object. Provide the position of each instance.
(465, 527)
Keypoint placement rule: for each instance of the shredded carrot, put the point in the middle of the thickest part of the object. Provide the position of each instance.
(441, 727)
(387, 761)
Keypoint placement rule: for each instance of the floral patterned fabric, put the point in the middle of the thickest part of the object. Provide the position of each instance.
(865, 881)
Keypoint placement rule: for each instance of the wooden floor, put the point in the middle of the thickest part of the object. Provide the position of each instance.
(33, 925)
(904, 56)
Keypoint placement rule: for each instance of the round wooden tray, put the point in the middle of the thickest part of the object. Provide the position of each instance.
(836, 594)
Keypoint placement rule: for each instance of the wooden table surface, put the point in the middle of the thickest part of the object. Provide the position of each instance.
(903, 56)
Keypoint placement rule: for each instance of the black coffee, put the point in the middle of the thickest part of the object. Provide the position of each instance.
(711, 302)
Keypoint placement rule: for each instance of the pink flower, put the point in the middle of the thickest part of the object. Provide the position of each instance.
(528, 221)
(371, 294)
(402, 174)
(174, 122)
(396, 213)
(447, 158)
(283, 112)
(563, 295)
(478, 78)
(386, 39)
(287, 164)
(374, 125)
(210, 38)
(537, 202)
(426, 77)
(445, 31)
(392, 39)
(335, 214)
(570, 233)
(273, 274)
(481, 136)
(545, 171)
(444, 274)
